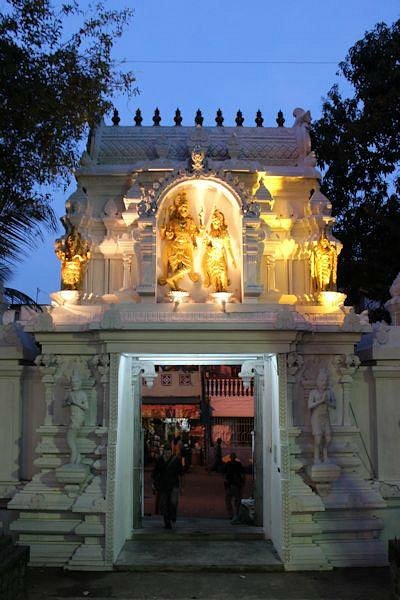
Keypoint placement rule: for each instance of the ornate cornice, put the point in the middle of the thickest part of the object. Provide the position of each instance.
(150, 204)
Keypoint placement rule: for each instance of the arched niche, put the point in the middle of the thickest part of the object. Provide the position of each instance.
(206, 194)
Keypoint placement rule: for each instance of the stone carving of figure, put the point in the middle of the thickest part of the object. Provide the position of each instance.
(179, 234)
(218, 249)
(78, 403)
(74, 253)
(324, 265)
(319, 401)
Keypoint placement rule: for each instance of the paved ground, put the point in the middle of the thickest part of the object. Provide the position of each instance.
(203, 495)
(341, 584)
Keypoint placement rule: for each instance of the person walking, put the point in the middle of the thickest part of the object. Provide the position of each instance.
(167, 481)
(233, 481)
(218, 463)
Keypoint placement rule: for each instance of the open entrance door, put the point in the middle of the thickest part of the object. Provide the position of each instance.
(259, 438)
(203, 414)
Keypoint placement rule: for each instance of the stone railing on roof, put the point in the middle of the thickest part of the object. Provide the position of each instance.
(285, 146)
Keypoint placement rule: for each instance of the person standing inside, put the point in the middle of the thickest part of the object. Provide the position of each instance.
(167, 481)
(234, 481)
(218, 463)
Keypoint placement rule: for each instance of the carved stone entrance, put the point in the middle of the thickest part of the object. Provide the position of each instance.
(129, 467)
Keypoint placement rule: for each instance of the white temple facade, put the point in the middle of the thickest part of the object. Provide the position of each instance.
(201, 245)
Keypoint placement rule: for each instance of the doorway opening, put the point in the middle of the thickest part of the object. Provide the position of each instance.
(203, 414)
(127, 503)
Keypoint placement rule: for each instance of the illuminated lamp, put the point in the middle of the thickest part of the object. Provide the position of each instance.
(177, 297)
(221, 298)
(331, 300)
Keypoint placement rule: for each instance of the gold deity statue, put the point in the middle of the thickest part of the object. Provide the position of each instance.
(324, 265)
(74, 253)
(179, 233)
(218, 249)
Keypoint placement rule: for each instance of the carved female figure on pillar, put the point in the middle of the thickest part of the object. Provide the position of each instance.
(179, 234)
(78, 403)
(218, 249)
(319, 401)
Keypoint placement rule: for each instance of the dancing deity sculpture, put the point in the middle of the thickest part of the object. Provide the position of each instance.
(179, 233)
(218, 248)
(78, 403)
(324, 265)
(319, 401)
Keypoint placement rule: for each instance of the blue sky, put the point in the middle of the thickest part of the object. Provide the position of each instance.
(302, 42)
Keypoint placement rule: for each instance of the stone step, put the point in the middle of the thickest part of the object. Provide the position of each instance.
(211, 536)
(188, 528)
(198, 555)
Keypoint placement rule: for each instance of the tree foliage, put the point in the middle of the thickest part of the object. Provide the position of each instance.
(357, 142)
(54, 84)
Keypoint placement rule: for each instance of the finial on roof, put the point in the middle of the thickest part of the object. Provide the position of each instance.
(239, 119)
(178, 118)
(259, 120)
(280, 119)
(156, 118)
(115, 119)
(199, 118)
(138, 118)
(219, 119)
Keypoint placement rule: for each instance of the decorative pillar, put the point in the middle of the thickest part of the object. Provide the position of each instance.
(253, 237)
(126, 276)
(101, 362)
(145, 249)
(271, 273)
(48, 366)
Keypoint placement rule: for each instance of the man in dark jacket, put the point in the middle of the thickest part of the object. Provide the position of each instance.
(167, 479)
(234, 481)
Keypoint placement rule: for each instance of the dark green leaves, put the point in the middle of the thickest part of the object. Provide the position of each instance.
(357, 141)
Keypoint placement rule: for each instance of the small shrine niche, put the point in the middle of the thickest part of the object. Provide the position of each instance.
(199, 246)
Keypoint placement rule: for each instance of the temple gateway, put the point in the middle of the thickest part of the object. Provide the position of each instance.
(201, 258)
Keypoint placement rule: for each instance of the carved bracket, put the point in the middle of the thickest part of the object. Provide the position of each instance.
(249, 369)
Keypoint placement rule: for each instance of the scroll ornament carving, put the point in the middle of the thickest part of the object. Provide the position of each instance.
(251, 209)
(355, 322)
(380, 332)
(147, 369)
(285, 319)
(111, 318)
(46, 361)
(9, 335)
(198, 159)
(101, 362)
(295, 363)
(43, 321)
(111, 209)
(395, 287)
(248, 370)
(147, 207)
(68, 367)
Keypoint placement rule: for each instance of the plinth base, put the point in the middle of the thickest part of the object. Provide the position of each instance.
(72, 473)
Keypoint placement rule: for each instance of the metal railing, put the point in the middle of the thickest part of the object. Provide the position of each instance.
(234, 431)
